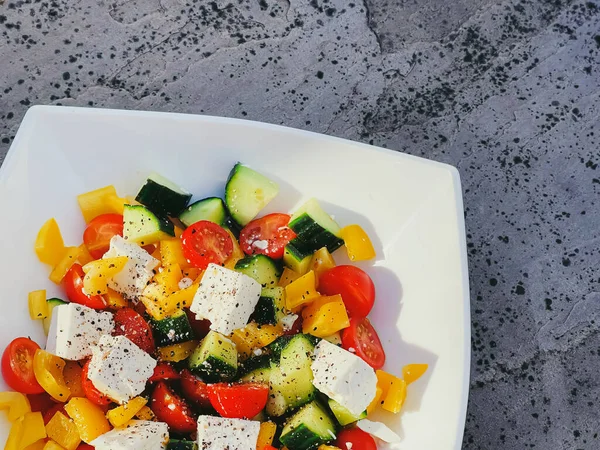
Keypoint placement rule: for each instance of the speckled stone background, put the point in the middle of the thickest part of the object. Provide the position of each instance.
(508, 91)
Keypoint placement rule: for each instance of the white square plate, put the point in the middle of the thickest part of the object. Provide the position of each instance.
(411, 208)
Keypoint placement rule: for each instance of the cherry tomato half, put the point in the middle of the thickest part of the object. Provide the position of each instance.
(83, 446)
(93, 394)
(17, 366)
(194, 389)
(267, 235)
(163, 372)
(356, 439)
(200, 327)
(206, 242)
(134, 327)
(73, 283)
(239, 401)
(172, 409)
(353, 284)
(362, 339)
(100, 231)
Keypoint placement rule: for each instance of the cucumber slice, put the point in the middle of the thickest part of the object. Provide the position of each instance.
(172, 330)
(261, 268)
(308, 428)
(314, 229)
(215, 359)
(342, 415)
(335, 339)
(175, 444)
(163, 197)
(257, 369)
(282, 342)
(270, 306)
(142, 226)
(52, 303)
(211, 208)
(247, 192)
(296, 257)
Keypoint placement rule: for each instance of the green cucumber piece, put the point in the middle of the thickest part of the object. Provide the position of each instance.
(247, 192)
(257, 369)
(296, 257)
(342, 415)
(52, 303)
(175, 444)
(142, 226)
(270, 306)
(310, 427)
(215, 358)
(211, 209)
(163, 197)
(261, 268)
(172, 330)
(315, 229)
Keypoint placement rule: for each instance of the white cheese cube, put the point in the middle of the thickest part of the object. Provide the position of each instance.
(378, 430)
(119, 368)
(138, 270)
(344, 377)
(225, 297)
(138, 435)
(218, 433)
(75, 329)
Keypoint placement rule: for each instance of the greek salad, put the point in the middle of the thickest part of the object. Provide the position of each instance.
(202, 325)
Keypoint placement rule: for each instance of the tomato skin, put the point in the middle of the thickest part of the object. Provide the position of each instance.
(206, 242)
(172, 409)
(134, 327)
(40, 402)
(357, 438)
(272, 228)
(194, 389)
(100, 231)
(296, 327)
(73, 283)
(83, 446)
(239, 401)
(17, 366)
(163, 372)
(363, 339)
(200, 327)
(92, 394)
(353, 284)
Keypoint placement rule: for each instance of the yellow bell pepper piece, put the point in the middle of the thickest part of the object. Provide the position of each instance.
(98, 274)
(72, 377)
(120, 415)
(265, 435)
(49, 244)
(145, 414)
(48, 370)
(192, 273)
(38, 308)
(97, 202)
(33, 429)
(15, 435)
(328, 447)
(88, 418)
(171, 252)
(154, 299)
(412, 372)
(376, 400)
(69, 258)
(84, 256)
(38, 445)
(325, 316)
(357, 242)
(177, 352)
(115, 300)
(254, 336)
(237, 252)
(63, 431)
(154, 253)
(16, 404)
(169, 278)
(51, 445)
(321, 262)
(182, 298)
(287, 277)
(117, 204)
(301, 291)
(393, 391)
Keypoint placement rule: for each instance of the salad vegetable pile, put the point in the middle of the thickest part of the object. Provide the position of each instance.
(200, 326)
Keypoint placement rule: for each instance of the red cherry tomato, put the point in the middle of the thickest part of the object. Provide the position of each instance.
(206, 242)
(40, 402)
(200, 327)
(172, 409)
(240, 401)
(353, 284)
(134, 327)
(194, 389)
(49, 414)
(361, 338)
(268, 447)
(93, 394)
(163, 372)
(356, 439)
(85, 447)
(73, 283)
(296, 327)
(267, 236)
(100, 231)
(17, 366)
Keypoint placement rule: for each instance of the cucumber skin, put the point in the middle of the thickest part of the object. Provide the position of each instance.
(167, 203)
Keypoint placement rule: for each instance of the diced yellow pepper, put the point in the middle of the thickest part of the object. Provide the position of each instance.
(88, 418)
(182, 298)
(97, 202)
(177, 352)
(254, 336)
(287, 277)
(48, 370)
(265, 435)
(63, 431)
(120, 415)
(15, 436)
(321, 262)
(38, 445)
(192, 273)
(115, 300)
(69, 258)
(328, 447)
(154, 299)
(98, 274)
(412, 372)
(393, 391)
(72, 377)
(33, 429)
(84, 256)
(117, 204)
(38, 308)
(154, 253)
(16, 403)
(236, 255)
(171, 252)
(325, 316)
(301, 291)
(169, 278)
(376, 400)
(357, 242)
(145, 414)
(49, 244)
(51, 445)
(385, 380)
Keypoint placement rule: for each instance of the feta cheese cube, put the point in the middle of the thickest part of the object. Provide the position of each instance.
(138, 271)
(119, 368)
(344, 377)
(225, 297)
(75, 329)
(378, 430)
(217, 433)
(138, 435)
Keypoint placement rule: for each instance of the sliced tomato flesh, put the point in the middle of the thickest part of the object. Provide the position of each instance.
(267, 236)
(17, 366)
(206, 242)
(362, 339)
(241, 401)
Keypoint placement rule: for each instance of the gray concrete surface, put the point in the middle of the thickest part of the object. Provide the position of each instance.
(508, 91)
